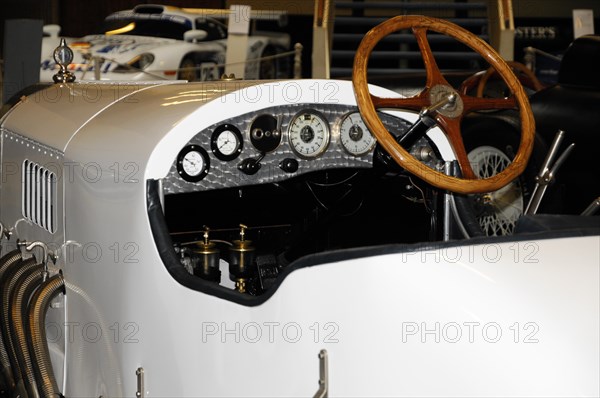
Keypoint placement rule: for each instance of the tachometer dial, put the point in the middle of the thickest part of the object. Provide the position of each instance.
(356, 138)
(226, 142)
(193, 163)
(309, 134)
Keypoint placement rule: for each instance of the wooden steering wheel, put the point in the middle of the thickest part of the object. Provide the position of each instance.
(448, 117)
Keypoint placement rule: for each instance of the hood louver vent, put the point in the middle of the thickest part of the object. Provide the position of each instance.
(39, 195)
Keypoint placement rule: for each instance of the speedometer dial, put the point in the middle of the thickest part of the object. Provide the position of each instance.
(356, 138)
(309, 134)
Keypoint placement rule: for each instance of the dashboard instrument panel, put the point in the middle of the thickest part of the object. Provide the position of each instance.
(275, 144)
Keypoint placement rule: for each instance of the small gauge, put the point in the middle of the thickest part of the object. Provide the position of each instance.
(309, 134)
(355, 136)
(193, 163)
(226, 142)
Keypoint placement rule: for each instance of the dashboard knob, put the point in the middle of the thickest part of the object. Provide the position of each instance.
(289, 165)
(249, 166)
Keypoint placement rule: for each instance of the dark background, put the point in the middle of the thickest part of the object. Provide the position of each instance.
(79, 18)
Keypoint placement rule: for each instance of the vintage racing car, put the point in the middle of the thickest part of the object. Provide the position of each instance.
(280, 238)
(157, 42)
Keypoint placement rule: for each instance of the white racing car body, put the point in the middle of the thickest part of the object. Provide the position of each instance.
(118, 179)
(155, 42)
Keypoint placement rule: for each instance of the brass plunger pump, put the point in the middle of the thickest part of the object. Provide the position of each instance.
(241, 260)
(209, 255)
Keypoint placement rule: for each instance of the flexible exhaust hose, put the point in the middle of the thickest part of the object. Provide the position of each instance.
(24, 288)
(9, 257)
(7, 262)
(9, 280)
(38, 308)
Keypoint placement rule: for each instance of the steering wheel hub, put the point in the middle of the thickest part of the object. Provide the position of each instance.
(452, 109)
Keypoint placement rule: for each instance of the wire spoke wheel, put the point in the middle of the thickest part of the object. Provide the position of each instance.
(499, 210)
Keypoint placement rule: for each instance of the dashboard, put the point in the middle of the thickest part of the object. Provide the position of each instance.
(275, 144)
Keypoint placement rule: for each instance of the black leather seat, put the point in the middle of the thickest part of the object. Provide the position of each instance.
(573, 105)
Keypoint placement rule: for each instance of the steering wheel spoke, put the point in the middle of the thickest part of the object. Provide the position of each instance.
(414, 103)
(479, 104)
(451, 128)
(434, 76)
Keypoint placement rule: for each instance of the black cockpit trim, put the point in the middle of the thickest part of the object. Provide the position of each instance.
(164, 245)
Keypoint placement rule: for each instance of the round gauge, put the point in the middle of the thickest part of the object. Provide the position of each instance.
(226, 142)
(265, 135)
(356, 138)
(309, 134)
(193, 163)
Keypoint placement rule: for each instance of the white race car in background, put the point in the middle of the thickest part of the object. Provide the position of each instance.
(156, 42)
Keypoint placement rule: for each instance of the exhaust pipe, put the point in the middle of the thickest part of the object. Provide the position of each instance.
(46, 382)
(26, 368)
(8, 384)
(9, 279)
(24, 288)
